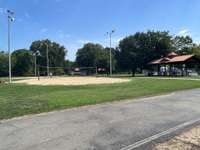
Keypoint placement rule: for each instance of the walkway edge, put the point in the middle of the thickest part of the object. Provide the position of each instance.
(159, 135)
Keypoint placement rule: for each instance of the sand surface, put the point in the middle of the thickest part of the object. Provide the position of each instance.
(71, 81)
(189, 140)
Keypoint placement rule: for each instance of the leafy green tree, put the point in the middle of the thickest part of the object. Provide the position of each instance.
(56, 52)
(92, 55)
(136, 51)
(196, 50)
(68, 66)
(22, 62)
(183, 44)
(3, 64)
(107, 57)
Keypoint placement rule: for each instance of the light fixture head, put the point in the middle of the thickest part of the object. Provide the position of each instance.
(12, 19)
(10, 12)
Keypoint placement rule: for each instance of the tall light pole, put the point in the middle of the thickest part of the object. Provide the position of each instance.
(47, 55)
(10, 19)
(35, 64)
(110, 37)
(36, 54)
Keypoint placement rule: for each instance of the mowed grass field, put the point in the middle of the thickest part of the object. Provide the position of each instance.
(17, 100)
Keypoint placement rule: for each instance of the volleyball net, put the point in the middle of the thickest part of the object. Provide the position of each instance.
(66, 71)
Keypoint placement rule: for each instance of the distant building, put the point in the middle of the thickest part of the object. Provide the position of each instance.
(175, 65)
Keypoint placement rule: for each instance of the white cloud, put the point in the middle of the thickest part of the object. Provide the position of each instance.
(84, 41)
(116, 40)
(104, 42)
(184, 32)
(195, 36)
(74, 45)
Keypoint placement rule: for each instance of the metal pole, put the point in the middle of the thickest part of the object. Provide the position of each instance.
(35, 64)
(110, 54)
(9, 51)
(110, 37)
(38, 72)
(47, 53)
(10, 19)
(96, 71)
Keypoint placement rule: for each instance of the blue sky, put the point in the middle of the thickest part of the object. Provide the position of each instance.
(75, 22)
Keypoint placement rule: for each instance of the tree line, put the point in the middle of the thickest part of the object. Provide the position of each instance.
(23, 60)
(133, 53)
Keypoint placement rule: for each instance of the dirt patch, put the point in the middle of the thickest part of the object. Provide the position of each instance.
(189, 140)
(71, 81)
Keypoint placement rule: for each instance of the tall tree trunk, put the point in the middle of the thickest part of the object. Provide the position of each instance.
(133, 72)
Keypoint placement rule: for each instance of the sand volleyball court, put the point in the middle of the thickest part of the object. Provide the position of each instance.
(71, 81)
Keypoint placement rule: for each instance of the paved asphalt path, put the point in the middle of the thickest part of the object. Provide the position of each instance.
(102, 127)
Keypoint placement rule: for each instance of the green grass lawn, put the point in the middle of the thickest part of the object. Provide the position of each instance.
(18, 100)
(195, 77)
(6, 79)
